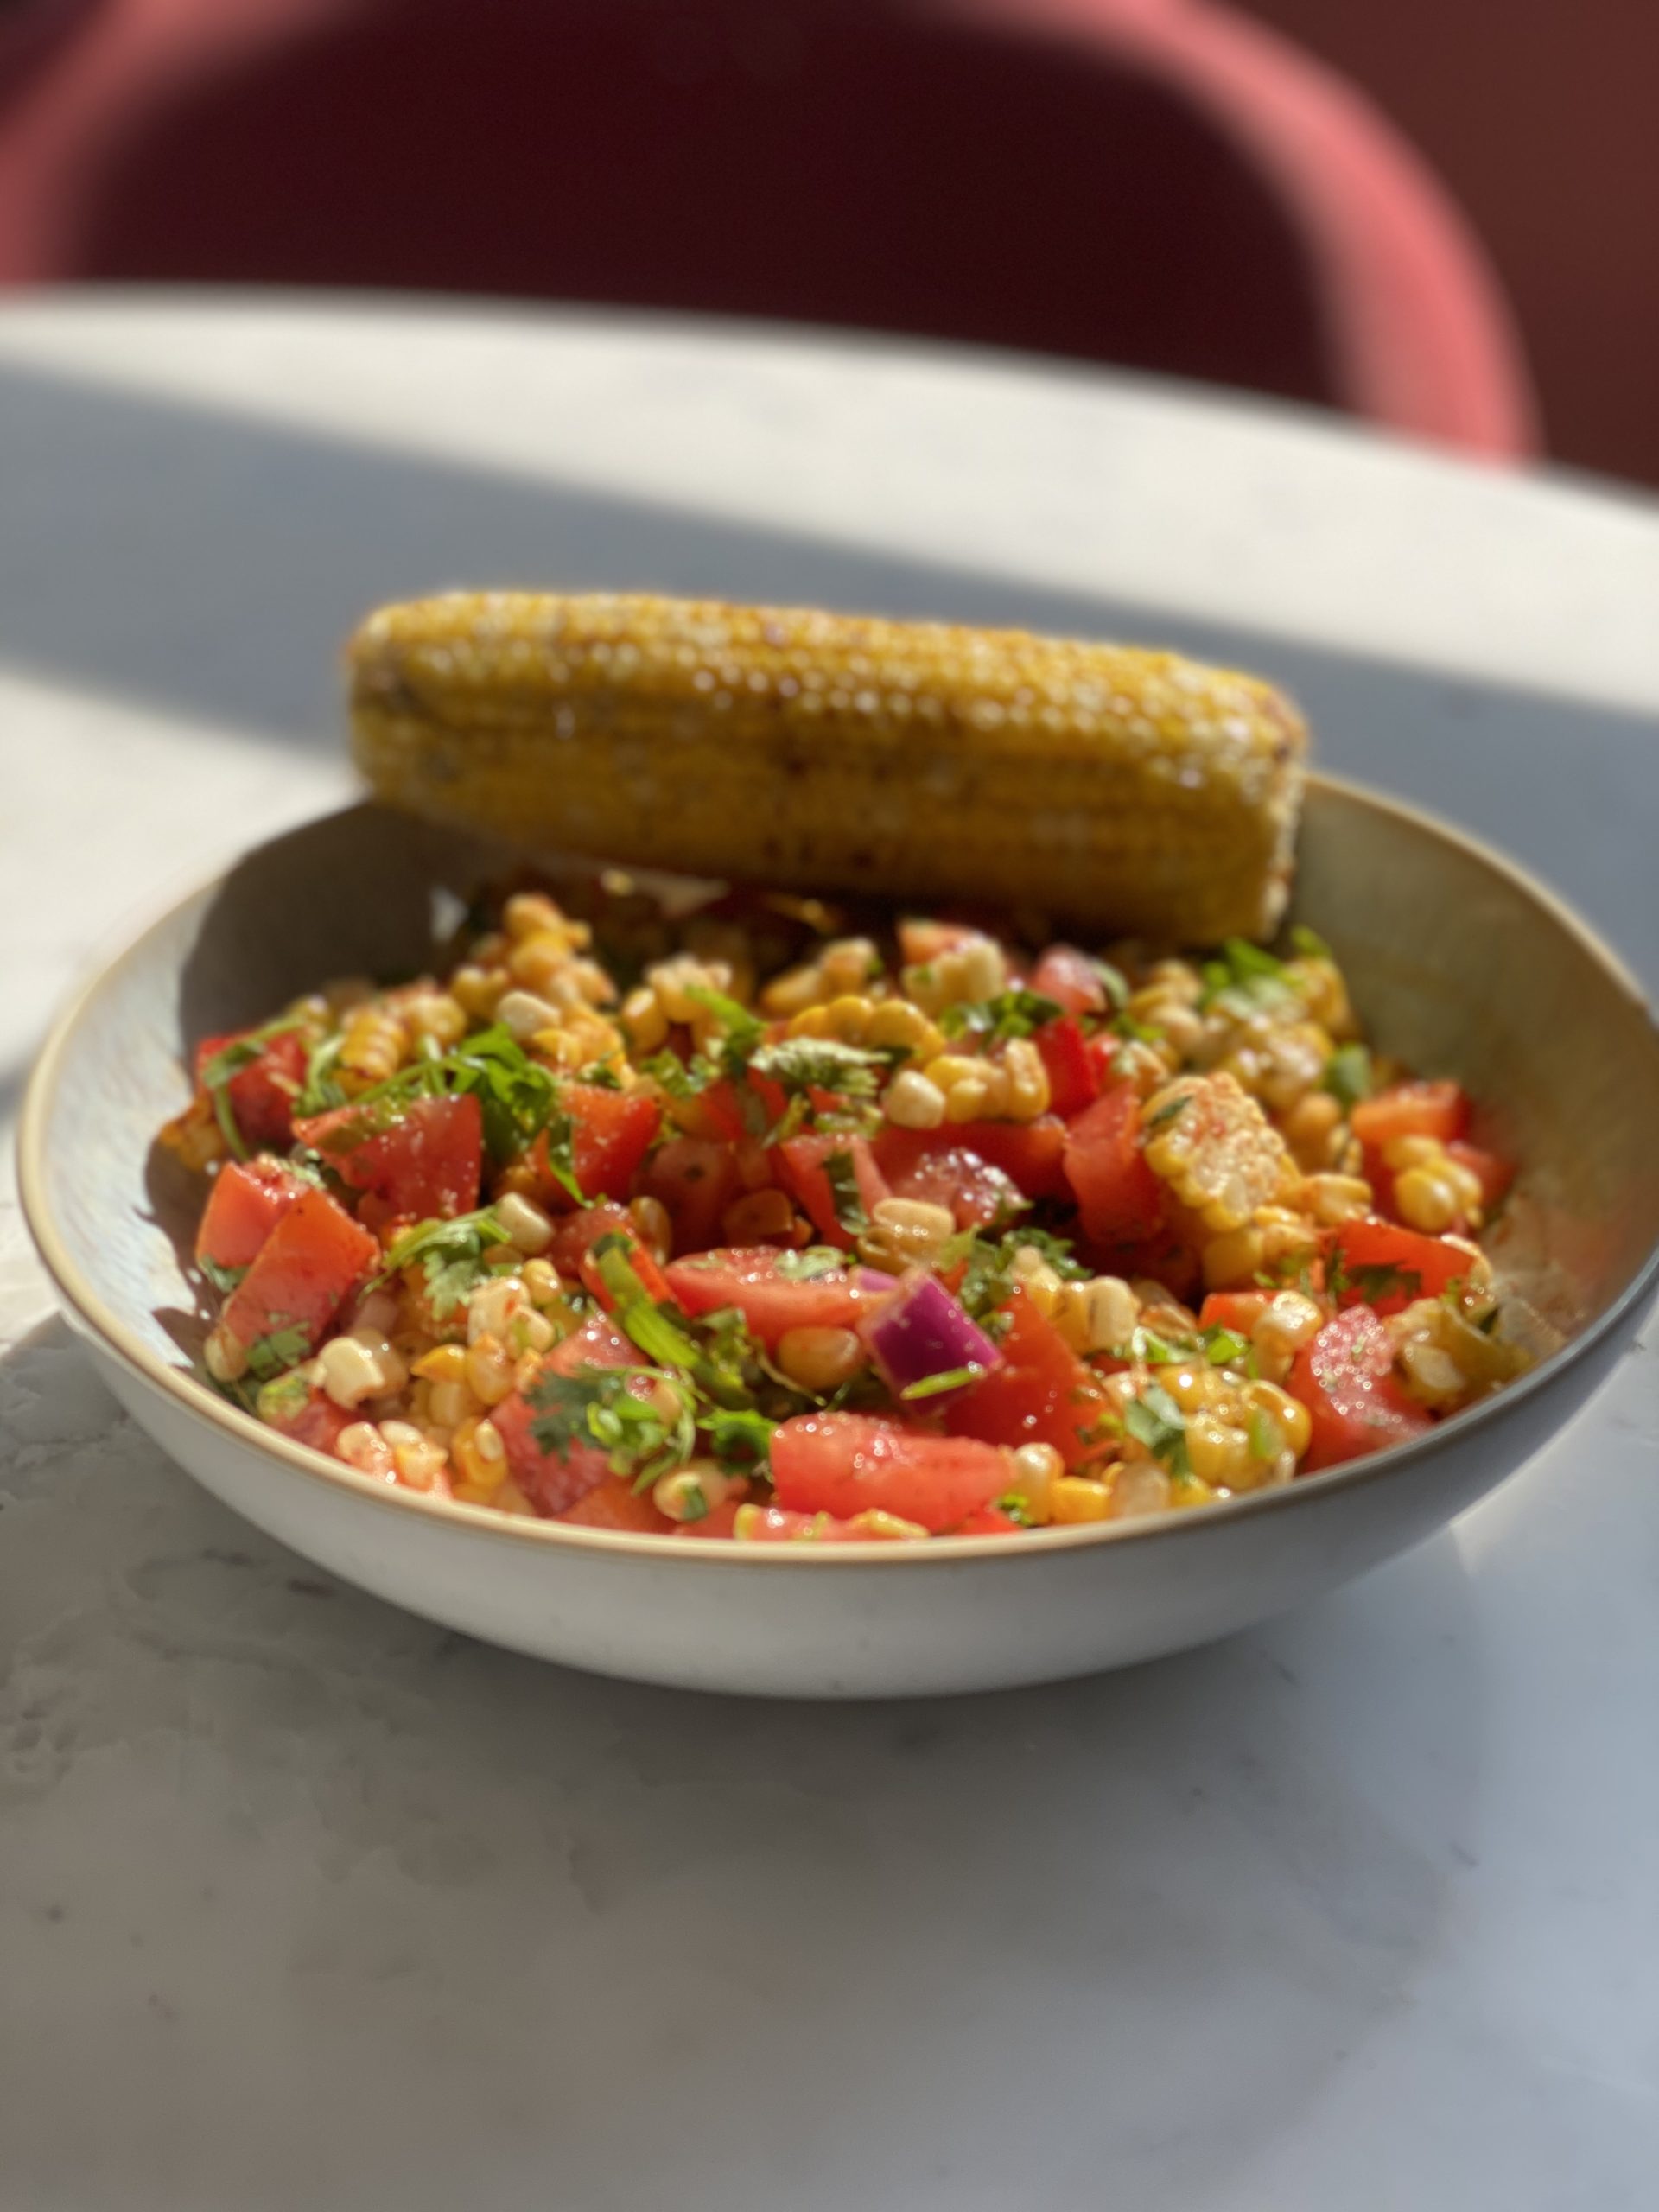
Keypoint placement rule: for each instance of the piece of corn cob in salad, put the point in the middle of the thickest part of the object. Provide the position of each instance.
(1127, 789)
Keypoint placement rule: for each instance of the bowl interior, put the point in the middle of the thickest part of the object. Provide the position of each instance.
(1457, 966)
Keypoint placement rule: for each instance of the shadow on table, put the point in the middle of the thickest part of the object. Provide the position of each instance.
(334, 1905)
(209, 564)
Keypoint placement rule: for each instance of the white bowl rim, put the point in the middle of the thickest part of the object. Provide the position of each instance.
(193, 1396)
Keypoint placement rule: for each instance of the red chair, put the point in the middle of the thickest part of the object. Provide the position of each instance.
(1149, 183)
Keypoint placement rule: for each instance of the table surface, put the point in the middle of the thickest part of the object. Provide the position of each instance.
(304, 1902)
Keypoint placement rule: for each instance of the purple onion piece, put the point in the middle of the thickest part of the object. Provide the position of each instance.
(920, 1332)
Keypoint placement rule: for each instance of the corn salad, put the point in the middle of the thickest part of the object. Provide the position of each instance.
(778, 1222)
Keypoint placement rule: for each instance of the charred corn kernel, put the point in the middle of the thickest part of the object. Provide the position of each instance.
(905, 1233)
(523, 1013)
(224, 1356)
(437, 1014)
(1289, 1320)
(1333, 1198)
(1427, 1199)
(529, 1229)
(450, 1403)
(1093, 1316)
(1139, 1486)
(1219, 1452)
(652, 1226)
(913, 1101)
(673, 982)
(361, 1445)
(478, 1455)
(1027, 1092)
(490, 1371)
(643, 1021)
(478, 990)
(1413, 1151)
(692, 1493)
(1194, 1385)
(372, 1044)
(758, 1217)
(1075, 1497)
(1034, 1470)
(541, 1280)
(443, 1363)
(1288, 1415)
(1136, 788)
(1311, 1129)
(818, 1360)
(494, 1305)
(1212, 1143)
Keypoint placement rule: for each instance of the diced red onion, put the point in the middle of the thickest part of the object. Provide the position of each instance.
(922, 1332)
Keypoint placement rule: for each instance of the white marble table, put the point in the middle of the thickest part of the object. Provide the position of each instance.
(304, 1904)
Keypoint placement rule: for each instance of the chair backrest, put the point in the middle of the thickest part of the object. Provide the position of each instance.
(1083, 177)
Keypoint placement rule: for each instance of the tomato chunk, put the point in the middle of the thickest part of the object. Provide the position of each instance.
(696, 1178)
(1042, 1394)
(754, 1279)
(246, 1202)
(977, 1195)
(1073, 1081)
(573, 1233)
(948, 1164)
(315, 1419)
(805, 1164)
(1238, 1310)
(1412, 1109)
(1386, 1267)
(425, 1164)
(612, 1134)
(1071, 978)
(847, 1463)
(1345, 1379)
(307, 1267)
(1119, 1200)
(262, 1094)
(553, 1485)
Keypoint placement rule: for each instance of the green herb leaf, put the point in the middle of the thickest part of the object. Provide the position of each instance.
(1383, 1281)
(1168, 1111)
(1348, 1075)
(678, 1078)
(742, 1032)
(1017, 1506)
(1013, 1013)
(1114, 983)
(1137, 1032)
(1156, 1422)
(935, 1386)
(1310, 944)
(243, 1051)
(1225, 1347)
(320, 1091)
(224, 1280)
(802, 1064)
(841, 1175)
(644, 1435)
(1265, 1441)
(451, 1254)
(272, 1354)
(739, 1439)
(1244, 981)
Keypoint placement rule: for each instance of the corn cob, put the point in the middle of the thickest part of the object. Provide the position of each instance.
(1127, 789)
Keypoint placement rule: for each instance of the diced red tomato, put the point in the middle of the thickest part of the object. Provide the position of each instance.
(1042, 1394)
(1393, 1265)
(1071, 978)
(424, 1164)
(316, 1420)
(1494, 1172)
(1412, 1109)
(262, 1094)
(847, 1463)
(696, 1178)
(989, 1521)
(245, 1204)
(801, 1160)
(1119, 1200)
(613, 1502)
(752, 1279)
(573, 1233)
(947, 1164)
(553, 1485)
(1073, 1083)
(1345, 1379)
(612, 1133)
(1238, 1310)
(307, 1267)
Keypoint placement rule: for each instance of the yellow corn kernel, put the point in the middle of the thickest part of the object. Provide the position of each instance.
(1288, 1415)
(652, 1226)
(1427, 1200)
(1318, 983)
(1188, 1491)
(1220, 1453)
(372, 1045)
(542, 1284)
(1091, 1316)
(691, 1493)
(1075, 1497)
(911, 1101)
(1400, 1153)
(224, 1356)
(1027, 1091)
(905, 1233)
(818, 1360)
(533, 913)
(895, 1022)
(361, 1445)
(1311, 1129)
(489, 1370)
(478, 1455)
(530, 1230)
(1139, 1486)
(1333, 1198)
(1193, 1386)
(479, 990)
(451, 1402)
(437, 1014)
(643, 1021)
(1289, 1320)
(673, 980)
(1033, 1473)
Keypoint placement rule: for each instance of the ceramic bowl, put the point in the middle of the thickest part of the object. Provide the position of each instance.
(1459, 964)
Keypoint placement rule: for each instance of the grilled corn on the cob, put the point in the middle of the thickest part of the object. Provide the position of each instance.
(1133, 791)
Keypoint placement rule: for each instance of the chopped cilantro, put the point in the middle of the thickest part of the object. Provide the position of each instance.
(742, 1032)
(1013, 1013)
(1156, 1422)
(1114, 983)
(1017, 1506)
(802, 1064)
(1225, 1347)
(1265, 1440)
(321, 1089)
(1381, 1280)
(842, 1174)
(738, 1438)
(1244, 981)
(451, 1254)
(1168, 1111)
(641, 1436)
(517, 1097)
(1137, 1032)
(680, 1078)
(224, 1280)
(935, 1386)
(1348, 1075)
(278, 1350)
(807, 1265)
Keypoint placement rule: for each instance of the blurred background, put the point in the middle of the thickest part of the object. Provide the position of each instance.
(1429, 215)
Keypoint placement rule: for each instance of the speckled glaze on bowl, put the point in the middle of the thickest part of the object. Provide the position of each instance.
(1459, 963)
